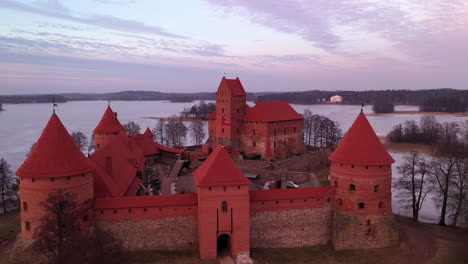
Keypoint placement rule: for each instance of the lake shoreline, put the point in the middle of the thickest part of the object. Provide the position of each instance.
(174, 119)
(405, 147)
(457, 114)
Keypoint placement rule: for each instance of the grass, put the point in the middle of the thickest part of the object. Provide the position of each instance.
(9, 225)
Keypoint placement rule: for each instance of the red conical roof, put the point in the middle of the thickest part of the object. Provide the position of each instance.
(219, 170)
(54, 155)
(148, 133)
(361, 146)
(109, 123)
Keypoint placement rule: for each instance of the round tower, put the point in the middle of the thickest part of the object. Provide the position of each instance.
(55, 165)
(107, 129)
(362, 176)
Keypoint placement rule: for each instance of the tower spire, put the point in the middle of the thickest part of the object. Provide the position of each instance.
(53, 105)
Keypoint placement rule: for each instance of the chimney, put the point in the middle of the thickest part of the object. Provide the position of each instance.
(109, 164)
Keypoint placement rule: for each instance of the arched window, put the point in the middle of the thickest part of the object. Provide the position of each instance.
(361, 205)
(381, 205)
(376, 188)
(352, 187)
(224, 206)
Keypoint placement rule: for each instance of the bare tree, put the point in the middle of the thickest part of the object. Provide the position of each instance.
(80, 139)
(458, 197)
(176, 132)
(159, 132)
(198, 132)
(7, 184)
(91, 144)
(413, 186)
(430, 129)
(442, 172)
(59, 226)
(132, 128)
(449, 142)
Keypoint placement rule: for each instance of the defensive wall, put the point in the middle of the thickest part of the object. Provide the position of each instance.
(166, 222)
(281, 218)
(287, 218)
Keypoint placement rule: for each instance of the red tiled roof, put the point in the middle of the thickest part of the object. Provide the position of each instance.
(233, 85)
(146, 144)
(146, 201)
(219, 170)
(109, 123)
(126, 159)
(212, 116)
(148, 133)
(268, 111)
(289, 194)
(361, 146)
(54, 155)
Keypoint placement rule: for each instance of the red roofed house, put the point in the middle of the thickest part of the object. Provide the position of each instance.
(223, 216)
(270, 129)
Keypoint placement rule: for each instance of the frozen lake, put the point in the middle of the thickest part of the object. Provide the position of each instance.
(22, 124)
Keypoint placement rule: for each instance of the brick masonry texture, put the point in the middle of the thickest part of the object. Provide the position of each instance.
(170, 233)
(291, 228)
(362, 232)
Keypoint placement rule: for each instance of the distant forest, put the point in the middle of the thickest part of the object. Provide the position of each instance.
(436, 100)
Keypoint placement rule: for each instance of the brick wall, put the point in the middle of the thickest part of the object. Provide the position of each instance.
(291, 228)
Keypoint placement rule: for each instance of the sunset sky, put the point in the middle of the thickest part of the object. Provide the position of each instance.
(187, 45)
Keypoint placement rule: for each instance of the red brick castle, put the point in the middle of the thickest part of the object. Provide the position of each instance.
(270, 129)
(353, 213)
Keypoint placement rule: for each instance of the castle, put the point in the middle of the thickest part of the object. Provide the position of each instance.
(353, 213)
(269, 130)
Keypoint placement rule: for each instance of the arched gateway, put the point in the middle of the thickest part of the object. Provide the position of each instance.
(223, 206)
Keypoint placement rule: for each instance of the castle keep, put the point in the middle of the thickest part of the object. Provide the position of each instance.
(354, 212)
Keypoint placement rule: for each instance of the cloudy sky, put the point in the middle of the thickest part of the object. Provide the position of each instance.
(188, 45)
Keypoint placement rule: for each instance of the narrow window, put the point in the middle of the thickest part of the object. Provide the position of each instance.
(352, 187)
(253, 132)
(361, 205)
(224, 188)
(129, 210)
(294, 130)
(115, 211)
(224, 206)
(209, 188)
(237, 110)
(25, 206)
(352, 166)
(274, 144)
(68, 177)
(237, 130)
(376, 188)
(381, 205)
(102, 212)
(238, 187)
(85, 218)
(222, 110)
(254, 144)
(97, 146)
(27, 226)
(52, 179)
(336, 184)
(144, 209)
(367, 167)
(222, 130)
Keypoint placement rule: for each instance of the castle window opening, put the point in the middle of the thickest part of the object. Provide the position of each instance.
(361, 205)
(294, 130)
(368, 221)
(336, 184)
(85, 218)
(277, 202)
(376, 188)
(25, 206)
(352, 166)
(224, 206)
(238, 187)
(222, 130)
(253, 131)
(129, 210)
(352, 187)
(224, 188)
(222, 110)
(144, 209)
(340, 202)
(381, 205)
(27, 226)
(254, 144)
(328, 199)
(68, 177)
(291, 201)
(115, 211)
(102, 212)
(209, 188)
(52, 179)
(237, 110)
(367, 167)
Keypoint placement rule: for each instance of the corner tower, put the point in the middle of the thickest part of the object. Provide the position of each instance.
(55, 165)
(230, 109)
(223, 206)
(107, 129)
(362, 176)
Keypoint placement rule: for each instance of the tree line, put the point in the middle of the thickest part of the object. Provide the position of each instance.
(444, 176)
(320, 131)
(444, 100)
(174, 132)
(200, 111)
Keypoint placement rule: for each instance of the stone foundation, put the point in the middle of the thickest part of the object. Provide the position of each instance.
(363, 232)
(291, 228)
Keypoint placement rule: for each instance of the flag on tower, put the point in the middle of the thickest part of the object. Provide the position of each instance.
(225, 122)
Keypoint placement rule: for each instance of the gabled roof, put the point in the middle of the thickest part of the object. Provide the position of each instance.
(54, 155)
(146, 144)
(219, 170)
(126, 160)
(148, 133)
(212, 116)
(109, 123)
(233, 85)
(361, 146)
(268, 111)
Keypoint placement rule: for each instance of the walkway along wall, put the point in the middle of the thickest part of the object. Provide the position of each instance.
(150, 222)
(287, 218)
